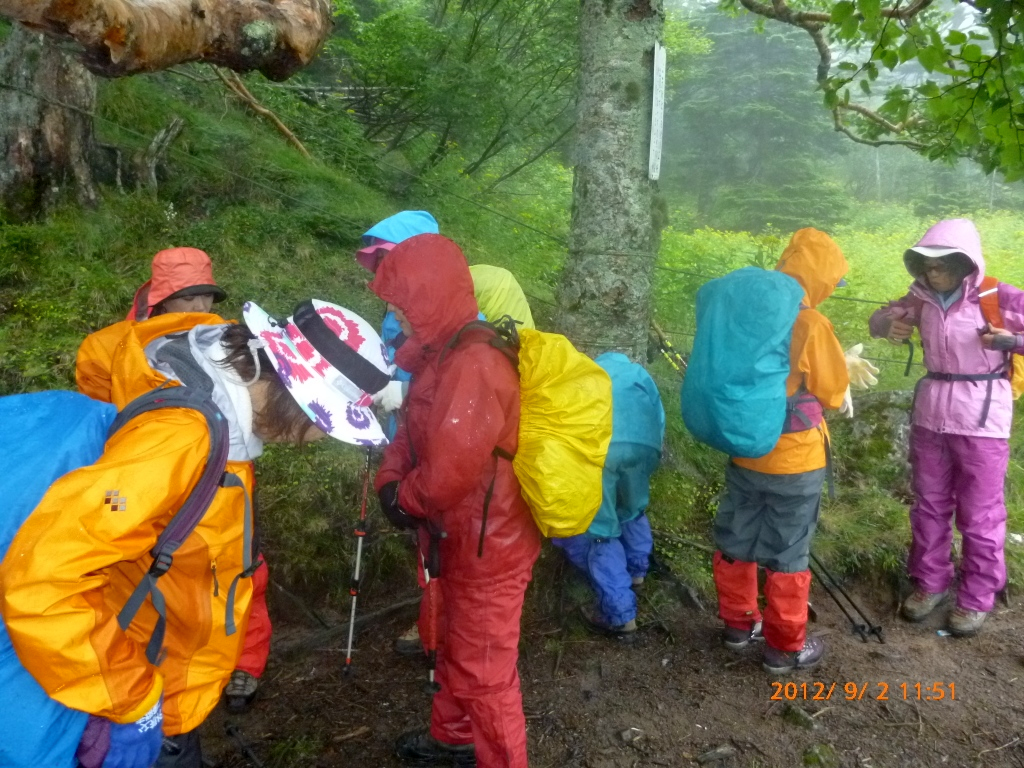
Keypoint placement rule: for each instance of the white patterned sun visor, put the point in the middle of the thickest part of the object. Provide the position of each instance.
(332, 361)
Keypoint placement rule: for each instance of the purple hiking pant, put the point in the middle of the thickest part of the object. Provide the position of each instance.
(961, 476)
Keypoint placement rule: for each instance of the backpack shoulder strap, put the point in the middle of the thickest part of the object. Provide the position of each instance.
(988, 297)
(501, 335)
(192, 510)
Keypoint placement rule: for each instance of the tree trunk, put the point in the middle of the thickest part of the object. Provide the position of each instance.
(125, 37)
(605, 291)
(45, 143)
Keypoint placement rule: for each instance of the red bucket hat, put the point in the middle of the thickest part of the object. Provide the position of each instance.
(177, 272)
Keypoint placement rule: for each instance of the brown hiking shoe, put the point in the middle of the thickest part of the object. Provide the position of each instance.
(409, 644)
(965, 623)
(920, 604)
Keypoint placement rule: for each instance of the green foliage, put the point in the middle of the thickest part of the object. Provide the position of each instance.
(952, 80)
(475, 80)
(752, 149)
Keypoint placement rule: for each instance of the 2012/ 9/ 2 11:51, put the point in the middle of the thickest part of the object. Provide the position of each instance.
(851, 691)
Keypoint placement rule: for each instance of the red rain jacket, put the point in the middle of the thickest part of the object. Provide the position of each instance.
(462, 403)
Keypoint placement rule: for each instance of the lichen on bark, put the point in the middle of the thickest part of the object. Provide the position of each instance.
(605, 289)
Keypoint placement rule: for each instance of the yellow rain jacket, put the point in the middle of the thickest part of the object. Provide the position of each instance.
(76, 560)
(816, 359)
(498, 293)
(96, 355)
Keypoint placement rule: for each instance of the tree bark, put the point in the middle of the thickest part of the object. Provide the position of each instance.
(125, 37)
(605, 291)
(45, 144)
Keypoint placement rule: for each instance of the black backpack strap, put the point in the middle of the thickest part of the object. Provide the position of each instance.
(191, 512)
(504, 338)
(249, 562)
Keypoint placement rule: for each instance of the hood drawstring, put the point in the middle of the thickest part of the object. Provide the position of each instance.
(255, 345)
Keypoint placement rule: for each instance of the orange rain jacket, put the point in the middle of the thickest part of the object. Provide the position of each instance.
(76, 560)
(816, 359)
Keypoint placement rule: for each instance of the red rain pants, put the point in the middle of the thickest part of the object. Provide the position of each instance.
(256, 647)
(480, 700)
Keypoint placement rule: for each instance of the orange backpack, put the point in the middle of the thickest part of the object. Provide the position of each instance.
(989, 297)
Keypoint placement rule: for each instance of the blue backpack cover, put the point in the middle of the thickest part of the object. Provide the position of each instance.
(45, 435)
(734, 394)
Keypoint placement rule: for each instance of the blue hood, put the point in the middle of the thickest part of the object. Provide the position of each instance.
(637, 413)
(402, 226)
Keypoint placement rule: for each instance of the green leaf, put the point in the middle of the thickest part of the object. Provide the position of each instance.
(932, 57)
(865, 86)
(870, 9)
(872, 70)
(842, 11)
(908, 49)
(890, 59)
(956, 37)
(850, 27)
(971, 52)
(849, 66)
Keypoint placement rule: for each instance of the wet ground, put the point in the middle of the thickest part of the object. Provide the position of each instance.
(675, 697)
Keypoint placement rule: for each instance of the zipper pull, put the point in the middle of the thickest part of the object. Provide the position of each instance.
(216, 585)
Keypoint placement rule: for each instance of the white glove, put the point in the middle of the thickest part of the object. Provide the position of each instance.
(847, 407)
(390, 398)
(862, 373)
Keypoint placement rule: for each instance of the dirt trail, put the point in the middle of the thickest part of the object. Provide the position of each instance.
(683, 693)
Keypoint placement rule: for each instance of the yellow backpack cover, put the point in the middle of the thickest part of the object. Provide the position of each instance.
(564, 430)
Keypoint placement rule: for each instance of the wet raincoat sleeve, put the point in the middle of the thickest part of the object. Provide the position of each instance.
(822, 361)
(94, 361)
(904, 309)
(466, 422)
(397, 459)
(96, 525)
(1011, 307)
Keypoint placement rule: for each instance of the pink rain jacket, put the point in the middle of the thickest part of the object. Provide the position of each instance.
(952, 343)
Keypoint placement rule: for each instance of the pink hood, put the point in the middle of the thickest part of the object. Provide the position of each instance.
(954, 233)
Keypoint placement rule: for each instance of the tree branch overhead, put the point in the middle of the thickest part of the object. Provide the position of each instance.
(126, 37)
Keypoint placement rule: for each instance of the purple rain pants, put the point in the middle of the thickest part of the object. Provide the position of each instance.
(961, 476)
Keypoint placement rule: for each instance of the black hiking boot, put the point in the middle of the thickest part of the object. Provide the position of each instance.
(778, 662)
(420, 748)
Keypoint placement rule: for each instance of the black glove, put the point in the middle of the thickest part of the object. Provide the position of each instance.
(388, 495)
(1004, 343)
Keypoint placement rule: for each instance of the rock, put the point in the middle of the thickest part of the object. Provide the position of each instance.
(795, 715)
(821, 754)
(631, 735)
(723, 752)
(872, 449)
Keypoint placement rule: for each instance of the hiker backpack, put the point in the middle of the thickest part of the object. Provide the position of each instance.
(989, 299)
(565, 427)
(734, 395)
(184, 521)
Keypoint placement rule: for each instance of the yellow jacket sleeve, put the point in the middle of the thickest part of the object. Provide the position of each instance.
(77, 557)
(821, 360)
(94, 361)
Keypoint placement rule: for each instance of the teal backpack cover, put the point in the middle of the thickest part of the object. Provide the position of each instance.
(46, 435)
(734, 394)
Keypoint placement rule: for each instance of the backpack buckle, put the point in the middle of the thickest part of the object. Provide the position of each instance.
(161, 564)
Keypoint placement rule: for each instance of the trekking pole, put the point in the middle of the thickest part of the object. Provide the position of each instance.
(431, 574)
(869, 626)
(667, 350)
(236, 735)
(354, 589)
(858, 627)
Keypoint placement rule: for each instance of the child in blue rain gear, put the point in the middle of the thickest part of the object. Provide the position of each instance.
(616, 549)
